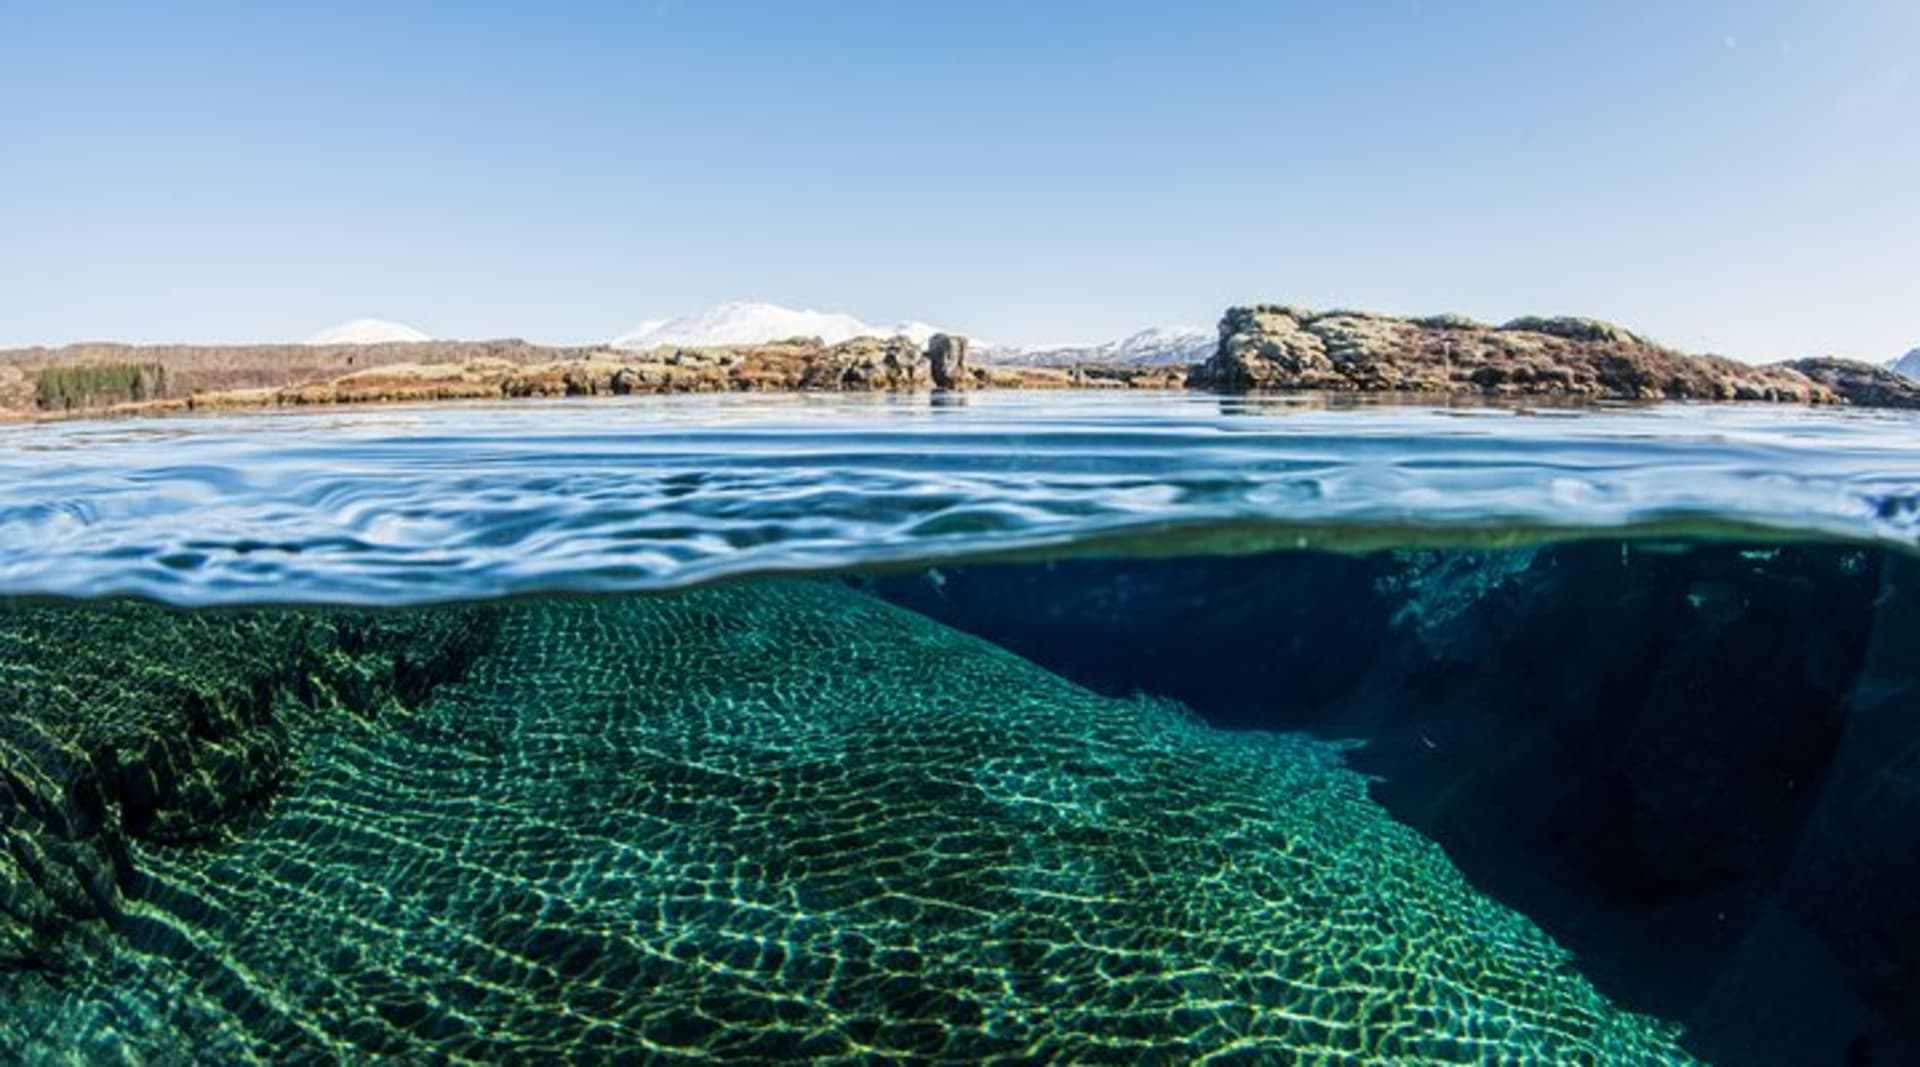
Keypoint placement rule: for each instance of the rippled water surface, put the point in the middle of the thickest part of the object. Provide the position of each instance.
(404, 505)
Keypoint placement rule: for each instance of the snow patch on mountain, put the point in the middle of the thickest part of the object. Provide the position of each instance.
(1908, 364)
(367, 332)
(746, 323)
(1158, 345)
(749, 323)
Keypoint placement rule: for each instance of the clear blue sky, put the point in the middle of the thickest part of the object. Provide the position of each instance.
(1733, 175)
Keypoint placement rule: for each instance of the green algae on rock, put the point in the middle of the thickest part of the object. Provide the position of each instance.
(785, 820)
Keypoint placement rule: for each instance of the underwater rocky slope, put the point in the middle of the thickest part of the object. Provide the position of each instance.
(770, 820)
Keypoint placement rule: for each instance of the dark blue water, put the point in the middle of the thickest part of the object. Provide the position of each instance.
(1005, 729)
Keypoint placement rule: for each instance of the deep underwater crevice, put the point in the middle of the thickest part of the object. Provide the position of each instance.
(1628, 745)
(1672, 745)
(1658, 752)
(1253, 641)
(1851, 882)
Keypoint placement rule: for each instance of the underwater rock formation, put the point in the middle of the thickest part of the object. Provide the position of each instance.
(129, 724)
(1692, 765)
(1648, 738)
(785, 820)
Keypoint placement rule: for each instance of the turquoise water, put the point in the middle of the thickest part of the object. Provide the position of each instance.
(1008, 729)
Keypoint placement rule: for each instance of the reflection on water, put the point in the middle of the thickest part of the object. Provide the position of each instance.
(410, 505)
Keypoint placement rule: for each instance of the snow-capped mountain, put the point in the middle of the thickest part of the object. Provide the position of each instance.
(1158, 345)
(366, 332)
(744, 323)
(1908, 364)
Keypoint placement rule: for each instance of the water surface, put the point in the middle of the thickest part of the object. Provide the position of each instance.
(389, 506)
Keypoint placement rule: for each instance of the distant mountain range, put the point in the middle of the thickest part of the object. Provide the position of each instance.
(744, 323)
(1156, 346)
(748, 323)
(1908, 364)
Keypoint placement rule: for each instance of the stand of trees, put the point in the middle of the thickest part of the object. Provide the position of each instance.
(93, 385)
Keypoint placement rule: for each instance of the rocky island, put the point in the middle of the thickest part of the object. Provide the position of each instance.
(1261, 348)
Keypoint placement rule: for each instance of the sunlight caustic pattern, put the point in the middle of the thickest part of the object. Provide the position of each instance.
(775, 820)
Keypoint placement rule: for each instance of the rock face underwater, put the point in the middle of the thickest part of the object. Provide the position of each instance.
(760, 821)
(1694, 766)
(124, 725)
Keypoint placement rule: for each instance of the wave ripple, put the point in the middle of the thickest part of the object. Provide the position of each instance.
(400, 506)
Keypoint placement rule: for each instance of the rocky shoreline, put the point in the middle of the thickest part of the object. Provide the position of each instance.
(1271, 347)
(1261, 348)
